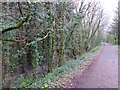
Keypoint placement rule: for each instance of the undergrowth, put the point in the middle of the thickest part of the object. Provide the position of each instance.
(66, 68)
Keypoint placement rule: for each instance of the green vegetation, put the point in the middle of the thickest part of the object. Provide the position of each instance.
(64, 70)
(48, 39)
(113, 35)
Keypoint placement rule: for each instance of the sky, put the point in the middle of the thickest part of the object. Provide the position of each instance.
(109, 9)
(109, 6)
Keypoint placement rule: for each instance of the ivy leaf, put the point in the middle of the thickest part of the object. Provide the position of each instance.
(46, 85)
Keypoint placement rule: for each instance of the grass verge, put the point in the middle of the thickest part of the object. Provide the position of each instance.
(58, 77)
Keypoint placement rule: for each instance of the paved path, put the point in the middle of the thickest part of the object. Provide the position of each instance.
(103, 73)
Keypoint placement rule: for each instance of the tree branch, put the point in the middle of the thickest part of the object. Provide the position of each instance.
(20, 23)
(9, 40)
(38, 39)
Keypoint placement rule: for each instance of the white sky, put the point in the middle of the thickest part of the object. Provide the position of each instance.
(109, 6)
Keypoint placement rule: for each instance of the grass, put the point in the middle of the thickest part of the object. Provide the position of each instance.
(53, 79)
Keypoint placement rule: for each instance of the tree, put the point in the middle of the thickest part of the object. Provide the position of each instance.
(40, 42)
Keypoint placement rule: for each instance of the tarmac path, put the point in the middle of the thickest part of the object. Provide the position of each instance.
(103, 73)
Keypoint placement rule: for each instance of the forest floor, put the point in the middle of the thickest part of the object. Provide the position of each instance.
(103, 73)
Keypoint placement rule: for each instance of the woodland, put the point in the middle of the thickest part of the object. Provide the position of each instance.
(39, 37)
